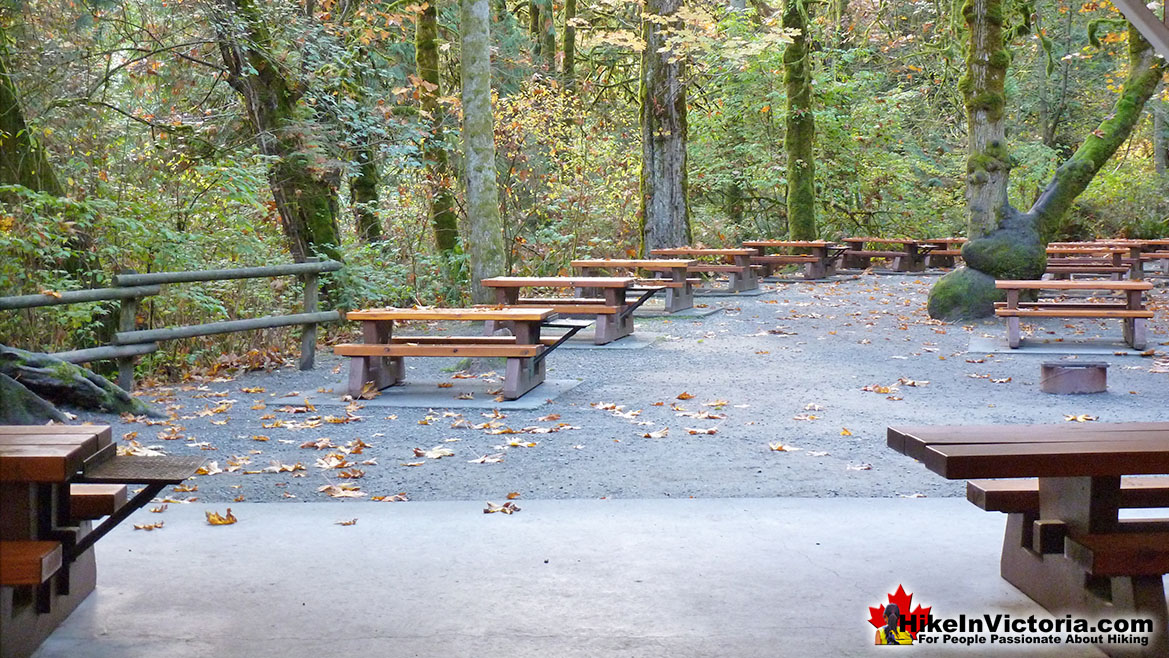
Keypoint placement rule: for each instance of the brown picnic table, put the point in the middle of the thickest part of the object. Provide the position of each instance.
(55, 481)
(1130, 310)
(734, 262)
(1066, 546)
(818, 262)
(907, 254)
(670, 273)
(612, 310)
(379, 361)
(943, 252)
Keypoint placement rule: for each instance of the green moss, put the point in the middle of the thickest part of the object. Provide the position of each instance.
(962, 295)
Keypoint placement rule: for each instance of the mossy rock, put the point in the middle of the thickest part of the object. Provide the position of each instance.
(964, 294)
(1013, 251)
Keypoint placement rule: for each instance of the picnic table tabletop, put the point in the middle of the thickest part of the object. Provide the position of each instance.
(702, 251)
(534, 314)
(786, 243)
(639, 263)
(901, 241)
(560, 281)
(1058, 284)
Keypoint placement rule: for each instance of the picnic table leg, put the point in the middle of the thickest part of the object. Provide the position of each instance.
(608, 326)
(1134, 328)
(522, 374)
(679, 299)
(748, 280)
(818, 269)
(1013, 337)
(503, 297)
(382, 371)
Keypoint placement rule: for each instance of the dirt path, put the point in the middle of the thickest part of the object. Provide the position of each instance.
(788, 367)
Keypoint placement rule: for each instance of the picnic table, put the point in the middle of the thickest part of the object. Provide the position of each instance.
(819, 261)
(613, 312)
(670, 273)
(1131, 310)
(735, 263)
(379, 361)
(1066, 546)
(1066, 260)
(943, 251)
(55, 481)
(908, 255)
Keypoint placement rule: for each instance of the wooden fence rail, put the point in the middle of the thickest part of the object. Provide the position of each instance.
(131, 288)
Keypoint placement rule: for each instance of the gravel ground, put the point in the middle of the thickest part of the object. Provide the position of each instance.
(787, 367)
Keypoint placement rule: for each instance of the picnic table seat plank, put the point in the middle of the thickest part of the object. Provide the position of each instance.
(1072, 313)
(27, 562)
(437, 350)
(40, 463)
(1022, 495)
(88, 502)
(472, 314)
(1121, 553)
(559, 282)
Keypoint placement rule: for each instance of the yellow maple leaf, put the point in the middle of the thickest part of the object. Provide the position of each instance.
(213, 518)
(844, 431)
(685, 396)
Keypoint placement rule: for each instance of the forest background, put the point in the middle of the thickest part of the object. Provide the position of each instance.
(175, 135)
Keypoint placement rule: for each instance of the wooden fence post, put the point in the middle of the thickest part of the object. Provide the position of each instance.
(127, 321)
(308, 337)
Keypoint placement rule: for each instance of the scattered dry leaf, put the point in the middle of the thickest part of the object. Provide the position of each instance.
(213, 518)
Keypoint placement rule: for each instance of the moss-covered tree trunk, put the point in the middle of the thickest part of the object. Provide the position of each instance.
(1005, 243)
(30, 384)
(568, 65)
(1160, 137)
(22, 158)
(303, 182)
(547, 35)
(363, 195)
(434, 152)
(484, 227)
(800, 137)
(665, 212)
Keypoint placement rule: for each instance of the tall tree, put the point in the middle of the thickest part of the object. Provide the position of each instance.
(665, 210)
(801, 125)
(1004, 242)
(484, 227)
(303, 183)
(22, 157)
(568, 65)
(1160, 136)
(434, 151)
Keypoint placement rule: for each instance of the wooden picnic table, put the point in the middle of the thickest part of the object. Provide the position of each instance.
(819, 261)
(613, 311)
(909, 257)
(670, 273)
(54, 481)
(1066, 546)
(734, 262)
(944, 251)
(1131, 310)
(379, 361)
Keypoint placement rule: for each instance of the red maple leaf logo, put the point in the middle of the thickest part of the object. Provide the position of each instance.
(903, 601)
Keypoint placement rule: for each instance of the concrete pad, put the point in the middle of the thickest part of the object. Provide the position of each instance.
(427, 395)
(687, 314)
(801, 279)
(730, 293)
(584, 341)
(565, 578)
(1047, 347)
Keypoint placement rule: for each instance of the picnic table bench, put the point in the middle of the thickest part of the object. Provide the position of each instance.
(612, 310)
(944, 252)
(667, 273)
(819, 261)
(735, 263)
(1064, 261)
(55, 482)
(1065, 544)
(379, 361)
(909, 257)
(1130, 310)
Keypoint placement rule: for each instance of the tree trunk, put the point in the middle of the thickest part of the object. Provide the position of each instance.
(363, 195)
(547, 35)
(49, 378)
(1005, 243)
(22, 158)
(665, 212)
(434, 153)
(801, 125)
(568, 66)
(20, 406)
(303, 184)
(1160, 137)
(484, 227)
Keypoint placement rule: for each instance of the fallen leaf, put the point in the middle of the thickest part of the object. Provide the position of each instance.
(905, 381)
(659, 434)
(342, 491)
(844, 431)
(349, 522)
(1082, 418)
(148, 526)
(213, 518)
(445, 384)
(700, 430)
(1000, 381)
(549, 418)
(506, 508)
(685, 396)
(393, 498)
(437, 452)
(513, 495)
(493, 458)
(860, 467)
(779, 447)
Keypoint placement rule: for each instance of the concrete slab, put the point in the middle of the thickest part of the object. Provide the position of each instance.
(584, 341)
(1048, 347)
(688, 314)
(796, 278)
(427, 395)
(568, 578)
(730, 293)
